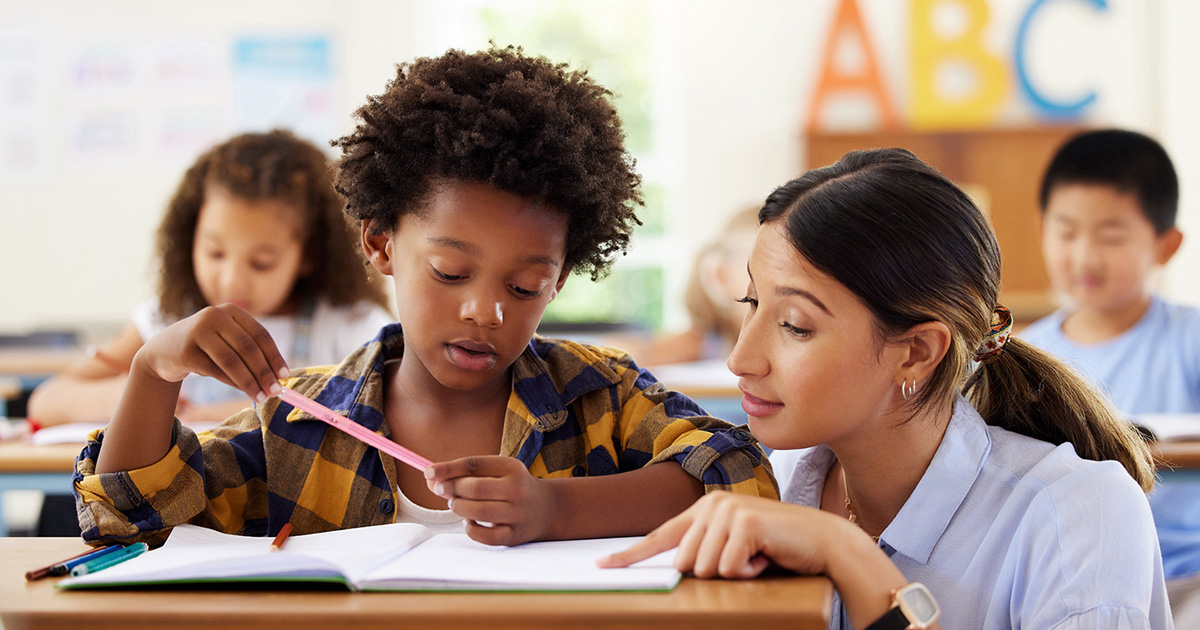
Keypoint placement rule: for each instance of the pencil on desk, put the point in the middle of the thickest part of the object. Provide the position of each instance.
(110, 560)
(62, 567)
(281, 537)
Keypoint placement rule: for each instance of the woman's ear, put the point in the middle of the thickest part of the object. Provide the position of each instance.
(377, 247)
(922, 349)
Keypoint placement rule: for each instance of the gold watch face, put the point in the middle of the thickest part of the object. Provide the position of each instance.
(918, 604)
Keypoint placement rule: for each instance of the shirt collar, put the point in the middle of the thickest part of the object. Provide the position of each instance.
(551, 374)
(354, 387)
(943, 488)
(547, 377)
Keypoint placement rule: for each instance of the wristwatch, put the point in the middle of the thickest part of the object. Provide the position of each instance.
(913, 607)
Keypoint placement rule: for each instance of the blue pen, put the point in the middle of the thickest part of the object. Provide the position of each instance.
(132, 551)
(65, 567)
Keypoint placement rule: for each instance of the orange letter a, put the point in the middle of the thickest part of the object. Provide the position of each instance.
(848, 23)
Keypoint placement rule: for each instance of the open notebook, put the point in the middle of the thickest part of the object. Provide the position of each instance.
(395, 557)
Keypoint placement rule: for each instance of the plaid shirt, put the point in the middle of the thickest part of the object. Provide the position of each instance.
(575, 410)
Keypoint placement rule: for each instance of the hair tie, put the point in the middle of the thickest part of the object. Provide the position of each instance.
(998, 334)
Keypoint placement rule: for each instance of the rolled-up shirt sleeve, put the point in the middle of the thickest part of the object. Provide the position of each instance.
(215, 479)
(659, 425)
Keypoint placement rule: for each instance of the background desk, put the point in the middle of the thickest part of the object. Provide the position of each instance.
(709, 383)
(36, 361)
(45, 468)
(23, 368)
(795, 603)
(1178, 461)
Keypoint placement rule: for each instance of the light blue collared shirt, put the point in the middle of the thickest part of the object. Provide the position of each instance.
(1153, 367)
(1012, 532)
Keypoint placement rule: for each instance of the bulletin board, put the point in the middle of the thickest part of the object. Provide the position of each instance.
(1002, 170)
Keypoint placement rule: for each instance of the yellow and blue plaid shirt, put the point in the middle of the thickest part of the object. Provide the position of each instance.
(575, 410)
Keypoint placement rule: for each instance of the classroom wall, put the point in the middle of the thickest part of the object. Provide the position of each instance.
(76, 230)
(1180, 100)
(76, 237)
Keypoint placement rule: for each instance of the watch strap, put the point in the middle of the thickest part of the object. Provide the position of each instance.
(893, 619)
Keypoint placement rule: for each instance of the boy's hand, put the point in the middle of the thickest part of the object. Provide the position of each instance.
(502, 503)
(223, 342)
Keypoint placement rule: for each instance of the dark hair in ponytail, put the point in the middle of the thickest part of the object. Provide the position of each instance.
(914, 248)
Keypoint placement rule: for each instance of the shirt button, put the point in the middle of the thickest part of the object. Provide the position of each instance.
(386, 506)
(579, 471)
(742, 435)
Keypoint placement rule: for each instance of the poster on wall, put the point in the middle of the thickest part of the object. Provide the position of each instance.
(24, 109)
(285, 81)
(101, 106)
(188, 82)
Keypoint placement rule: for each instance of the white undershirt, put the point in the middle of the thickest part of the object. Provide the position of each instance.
(439, 521)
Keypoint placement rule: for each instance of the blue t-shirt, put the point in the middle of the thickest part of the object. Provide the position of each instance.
(1012, 532)
(1154, 367)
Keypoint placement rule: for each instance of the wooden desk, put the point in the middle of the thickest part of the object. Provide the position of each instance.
(24, 368)
(709, 383)
(775, 602)
(36, 361)
(699, 379)
(1177, 460)
(10, 387)
(45, 468)
(20, 457)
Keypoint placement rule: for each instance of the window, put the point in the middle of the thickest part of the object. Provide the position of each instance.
(615, 43)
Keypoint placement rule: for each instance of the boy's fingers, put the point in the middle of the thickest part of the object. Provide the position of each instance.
(480, 488)
(249, 344)
(491, 534)
(262, 340)
(227, 349)
(477, 466)
(492, 512)
(666, 537)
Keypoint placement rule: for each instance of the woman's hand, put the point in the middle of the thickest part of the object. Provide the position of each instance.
(502, 503)
(735, 536)
(223, 342)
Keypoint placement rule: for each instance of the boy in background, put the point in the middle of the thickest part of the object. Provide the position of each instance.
(1109, 200)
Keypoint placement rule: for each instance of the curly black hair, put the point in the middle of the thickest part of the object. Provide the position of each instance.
(519, 123)
(266, 166)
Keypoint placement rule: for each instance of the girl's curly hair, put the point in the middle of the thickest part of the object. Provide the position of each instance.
(521, 124)
(266, 166)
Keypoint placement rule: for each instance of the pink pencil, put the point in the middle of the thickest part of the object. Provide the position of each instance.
(342, 423)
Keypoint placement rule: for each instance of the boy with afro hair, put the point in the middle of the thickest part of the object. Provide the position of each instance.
(480, 182)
